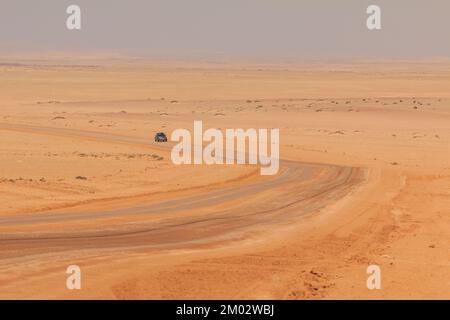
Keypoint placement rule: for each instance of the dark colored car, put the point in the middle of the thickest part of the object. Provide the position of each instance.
(160, 137)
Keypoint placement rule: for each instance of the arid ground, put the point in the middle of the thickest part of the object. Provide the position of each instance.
(364, 179)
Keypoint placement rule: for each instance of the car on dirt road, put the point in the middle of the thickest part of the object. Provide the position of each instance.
(160, 137)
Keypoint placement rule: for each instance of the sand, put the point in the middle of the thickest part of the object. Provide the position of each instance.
(364, 179)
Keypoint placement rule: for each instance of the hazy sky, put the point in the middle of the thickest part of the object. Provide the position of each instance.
(259, 28)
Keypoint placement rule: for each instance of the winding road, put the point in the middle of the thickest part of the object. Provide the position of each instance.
(209, 216)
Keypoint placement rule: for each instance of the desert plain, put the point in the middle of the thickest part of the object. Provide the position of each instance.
(364, 180)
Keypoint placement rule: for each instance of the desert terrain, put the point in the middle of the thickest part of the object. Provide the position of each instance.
(364, 179)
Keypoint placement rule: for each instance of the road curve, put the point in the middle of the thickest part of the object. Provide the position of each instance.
(298, 190)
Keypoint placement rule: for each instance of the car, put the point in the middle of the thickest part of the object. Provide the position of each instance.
(160, 137)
